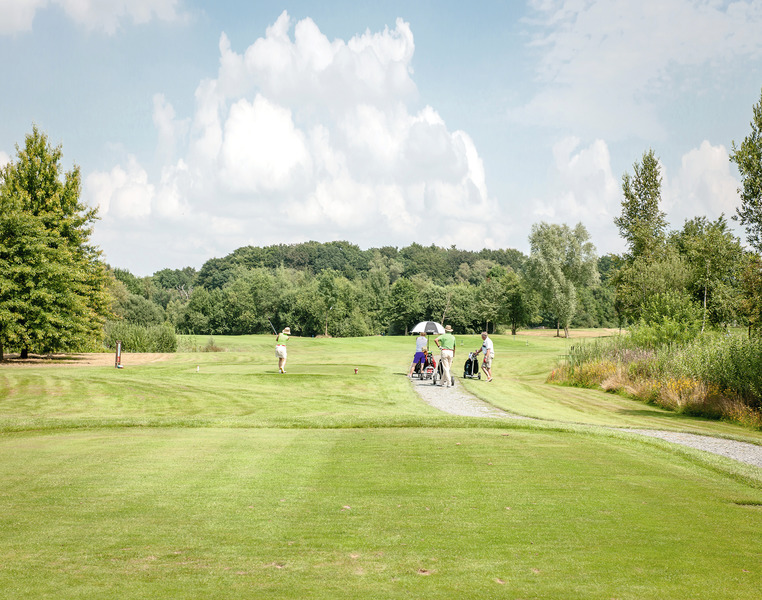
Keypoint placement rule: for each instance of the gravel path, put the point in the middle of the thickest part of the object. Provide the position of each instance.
(457, 401)
(740, 451)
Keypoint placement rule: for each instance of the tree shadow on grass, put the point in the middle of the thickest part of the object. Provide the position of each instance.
(43, 359)
(666, 416)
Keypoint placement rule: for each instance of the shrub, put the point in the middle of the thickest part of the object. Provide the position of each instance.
(138, 338)
(666, 320)
(731, 363)
(212, 347)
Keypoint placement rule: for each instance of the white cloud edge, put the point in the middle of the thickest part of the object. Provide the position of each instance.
(104, 16)
(600, 64)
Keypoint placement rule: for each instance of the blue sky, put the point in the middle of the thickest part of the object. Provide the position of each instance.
(200, 127)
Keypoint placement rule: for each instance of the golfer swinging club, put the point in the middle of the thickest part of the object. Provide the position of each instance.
(280, 348)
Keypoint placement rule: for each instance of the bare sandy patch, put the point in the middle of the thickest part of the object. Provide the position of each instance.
(96, 359)
(573, 333)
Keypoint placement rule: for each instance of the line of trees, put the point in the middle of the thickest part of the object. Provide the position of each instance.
(56, 293)
(338, 289)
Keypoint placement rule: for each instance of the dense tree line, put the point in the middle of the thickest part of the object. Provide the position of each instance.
(338, 289)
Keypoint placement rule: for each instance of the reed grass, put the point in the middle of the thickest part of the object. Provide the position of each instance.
(713, 375)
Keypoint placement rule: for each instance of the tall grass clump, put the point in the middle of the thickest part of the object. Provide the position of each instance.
(190, 343)
(211, 346)
(139, 338)
(711, 375)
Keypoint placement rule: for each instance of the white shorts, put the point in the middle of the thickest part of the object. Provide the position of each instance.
(280, 351)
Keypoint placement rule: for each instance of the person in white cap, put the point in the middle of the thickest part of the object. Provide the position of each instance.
(280, 349)
(446, 343)
(488, 349)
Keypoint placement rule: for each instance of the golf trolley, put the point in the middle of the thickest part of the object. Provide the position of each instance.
(471, 368)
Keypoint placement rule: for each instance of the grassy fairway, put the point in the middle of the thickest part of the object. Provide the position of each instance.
(235, 482)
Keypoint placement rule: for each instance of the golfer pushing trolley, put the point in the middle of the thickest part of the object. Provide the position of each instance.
(446, 343)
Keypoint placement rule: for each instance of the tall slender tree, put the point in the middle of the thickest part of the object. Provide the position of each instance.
(748, 158)
(642, 224)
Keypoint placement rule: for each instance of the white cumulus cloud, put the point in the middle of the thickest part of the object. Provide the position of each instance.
(262, 151)
(585, 189)
(17, 15)
(309, 138)
(702, 186)
(121, 193)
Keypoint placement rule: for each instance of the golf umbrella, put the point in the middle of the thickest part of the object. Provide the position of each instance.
(428, 327)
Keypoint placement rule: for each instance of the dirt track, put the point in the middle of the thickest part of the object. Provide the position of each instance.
(82, 360)
(573, 333)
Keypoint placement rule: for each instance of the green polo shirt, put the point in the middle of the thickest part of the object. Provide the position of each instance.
(446, 341)
(281, 339)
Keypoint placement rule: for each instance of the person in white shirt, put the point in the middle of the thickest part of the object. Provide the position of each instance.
(489, 351)
(421, 344)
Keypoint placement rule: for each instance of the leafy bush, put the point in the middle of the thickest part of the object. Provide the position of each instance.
(139, 311)
(138, 338)
(667, 319)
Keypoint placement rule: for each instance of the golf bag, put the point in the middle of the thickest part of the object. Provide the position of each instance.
(471, 368)
(429, 366)
(438, 375)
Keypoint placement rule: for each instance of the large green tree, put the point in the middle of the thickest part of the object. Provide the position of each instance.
(713, 255)
(52, 283)
(561, 260)
(748, 158)
(636, 282)
(519, 306)
(648, 267)
(404, 304)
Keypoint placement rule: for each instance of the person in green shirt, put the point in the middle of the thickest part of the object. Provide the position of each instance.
(446, 343)
(280, 349)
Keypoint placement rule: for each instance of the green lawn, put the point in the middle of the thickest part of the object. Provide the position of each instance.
(232, 481)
